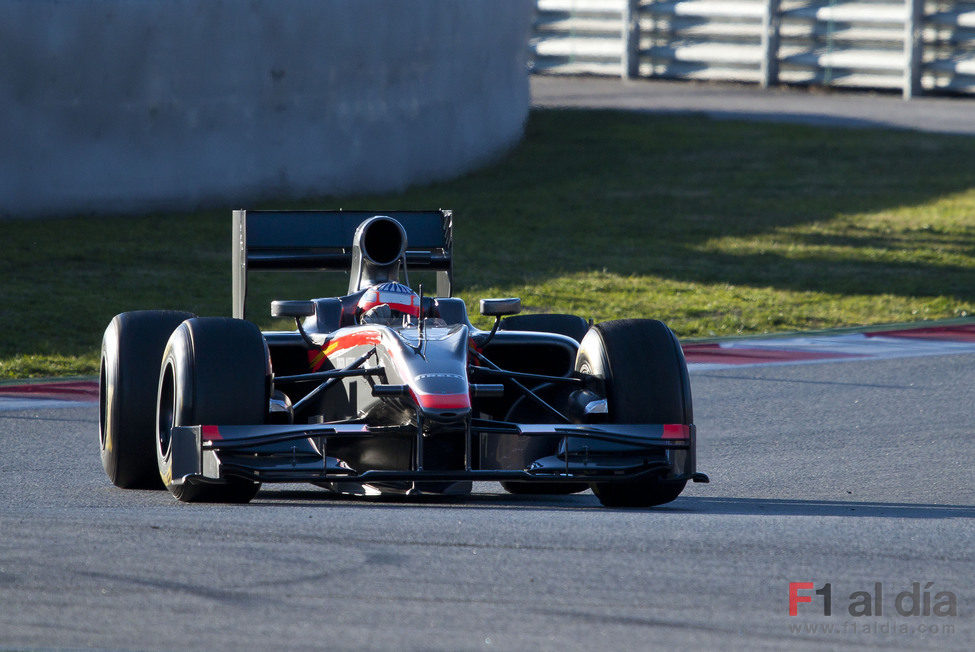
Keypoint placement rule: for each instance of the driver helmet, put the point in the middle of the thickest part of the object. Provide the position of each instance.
(387, 301)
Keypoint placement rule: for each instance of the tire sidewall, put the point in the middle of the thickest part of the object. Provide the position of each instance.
(177, 369)
(591, 360)
(110, 395)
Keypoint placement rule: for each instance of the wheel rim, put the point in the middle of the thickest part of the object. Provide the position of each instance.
(167, 411)
(102, 406)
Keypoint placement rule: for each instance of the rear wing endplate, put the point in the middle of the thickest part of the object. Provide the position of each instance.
(322, 240)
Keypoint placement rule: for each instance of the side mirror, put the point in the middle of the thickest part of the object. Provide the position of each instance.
(500, 307)
(296, 309)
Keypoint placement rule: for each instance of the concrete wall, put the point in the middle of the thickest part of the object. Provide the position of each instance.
(135, 105)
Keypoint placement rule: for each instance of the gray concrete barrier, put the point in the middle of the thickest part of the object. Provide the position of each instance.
(130, 105)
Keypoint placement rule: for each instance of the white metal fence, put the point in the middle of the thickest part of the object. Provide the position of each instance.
(913, 45)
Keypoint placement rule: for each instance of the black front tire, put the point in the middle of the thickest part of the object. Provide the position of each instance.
(645, 379)
(215, 371)
(132, 349)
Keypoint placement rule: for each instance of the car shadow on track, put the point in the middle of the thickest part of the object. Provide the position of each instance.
(313, 497)
(586, 501)
(797, 507)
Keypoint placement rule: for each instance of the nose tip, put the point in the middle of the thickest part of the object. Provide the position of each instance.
(446, 416)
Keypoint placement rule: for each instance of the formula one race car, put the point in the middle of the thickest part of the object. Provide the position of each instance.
(386, 391)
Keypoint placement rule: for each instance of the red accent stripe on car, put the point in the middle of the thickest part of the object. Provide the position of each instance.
(444, 401)
(211, 432)
(676, 431)
(317, 358)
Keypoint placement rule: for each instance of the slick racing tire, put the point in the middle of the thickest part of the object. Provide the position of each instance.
(569, 325)
(132, 349)
(645, 379)
(215, 371)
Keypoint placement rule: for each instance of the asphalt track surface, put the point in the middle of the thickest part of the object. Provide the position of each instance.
(851, 472)
(749, 102)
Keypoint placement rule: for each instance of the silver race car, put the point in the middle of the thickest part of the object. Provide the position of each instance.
(384, 390)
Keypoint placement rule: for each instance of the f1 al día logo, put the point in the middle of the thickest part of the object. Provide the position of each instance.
(920, 599)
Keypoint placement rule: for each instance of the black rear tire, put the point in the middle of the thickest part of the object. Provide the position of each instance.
(132, 349)
(645, 379)
(215, 371)
(568, 325)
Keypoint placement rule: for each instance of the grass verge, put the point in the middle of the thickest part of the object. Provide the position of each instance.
(716, 227)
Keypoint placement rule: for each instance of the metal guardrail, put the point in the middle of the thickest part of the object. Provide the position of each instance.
(913, 45)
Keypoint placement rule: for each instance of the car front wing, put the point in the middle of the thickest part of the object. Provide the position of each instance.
(299, 453)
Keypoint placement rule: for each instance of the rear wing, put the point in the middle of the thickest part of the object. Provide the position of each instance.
(322, 240)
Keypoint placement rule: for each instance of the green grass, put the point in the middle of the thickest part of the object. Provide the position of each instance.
(718, 228)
